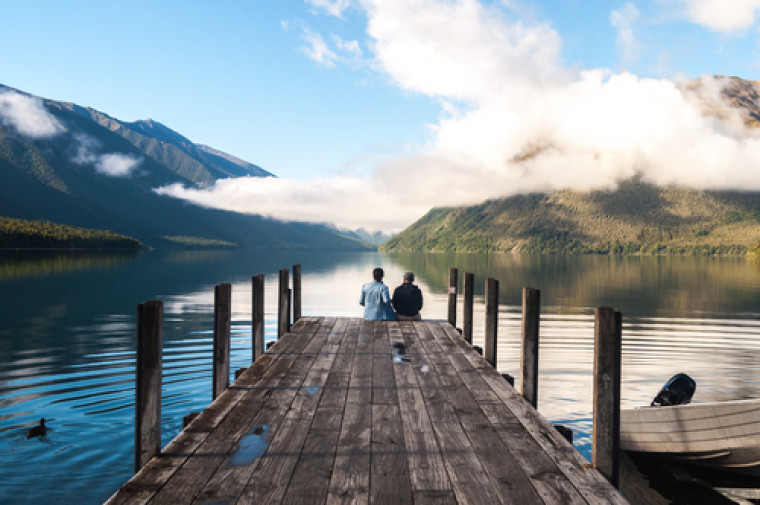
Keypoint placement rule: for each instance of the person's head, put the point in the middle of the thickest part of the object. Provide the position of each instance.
(409, 277)
(378, 274)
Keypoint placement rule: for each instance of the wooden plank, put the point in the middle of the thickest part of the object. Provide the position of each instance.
(389, 470)
(141, 488)
(360, 389)
(427, 470)
(589, 482)
(546, 477)
(509, 478)
(383, 380)
(349, 482)
(466, 473)
(269, 481)
(209, 471)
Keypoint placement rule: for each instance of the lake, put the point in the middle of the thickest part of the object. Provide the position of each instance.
(67, 335)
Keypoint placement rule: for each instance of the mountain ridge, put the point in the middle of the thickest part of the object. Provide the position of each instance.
(76, 166)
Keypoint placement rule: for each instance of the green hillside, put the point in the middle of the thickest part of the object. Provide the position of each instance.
(19, 233)
(636, 218)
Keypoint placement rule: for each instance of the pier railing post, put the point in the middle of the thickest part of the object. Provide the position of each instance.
(492, 320)
(150, 318)
(469, 288)
(283, 304)
(606, 422)
(296, 293)
(257, 315)
(453, 274)
(531, 309)
(222, 323)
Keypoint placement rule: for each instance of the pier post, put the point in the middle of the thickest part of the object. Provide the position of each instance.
(296, 293)
(150, 318)
(453, 274)
(283, 316)
(606, 423)
(257, 315)
(531, 310)
(222, 323)
(469, 289)
(492, 320)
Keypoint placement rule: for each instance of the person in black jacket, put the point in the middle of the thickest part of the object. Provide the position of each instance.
(407, 300)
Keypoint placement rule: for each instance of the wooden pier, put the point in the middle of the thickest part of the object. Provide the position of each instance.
(351, 411)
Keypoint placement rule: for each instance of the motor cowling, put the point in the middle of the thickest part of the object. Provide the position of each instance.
(677, 391)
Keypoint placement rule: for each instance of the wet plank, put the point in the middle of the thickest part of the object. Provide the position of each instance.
(350, 411)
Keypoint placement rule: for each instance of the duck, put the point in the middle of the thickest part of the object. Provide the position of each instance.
(37, 431)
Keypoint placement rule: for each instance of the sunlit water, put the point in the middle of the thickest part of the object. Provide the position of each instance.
(67, 336)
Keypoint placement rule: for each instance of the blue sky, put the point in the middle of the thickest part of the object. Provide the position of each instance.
(346, 97)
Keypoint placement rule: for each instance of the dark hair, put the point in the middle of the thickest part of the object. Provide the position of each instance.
(378, 274)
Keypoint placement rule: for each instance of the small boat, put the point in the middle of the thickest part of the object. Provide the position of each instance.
(722, 435)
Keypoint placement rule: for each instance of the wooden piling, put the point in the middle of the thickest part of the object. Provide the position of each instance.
(531, 309)
(453, 274)
(606, 421)
(150, 317)
(222, 323)
(283, 304)
(492, 320)
(257, 316)
(296, 293)
(469, 291)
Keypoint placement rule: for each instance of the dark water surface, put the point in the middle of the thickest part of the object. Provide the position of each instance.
(67, 339)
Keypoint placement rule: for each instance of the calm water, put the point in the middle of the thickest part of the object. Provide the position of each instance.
(67, 336)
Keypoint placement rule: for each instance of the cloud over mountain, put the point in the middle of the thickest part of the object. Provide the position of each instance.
(27, 115)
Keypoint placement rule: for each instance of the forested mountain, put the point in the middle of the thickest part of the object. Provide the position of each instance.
(76, 166)
(635, 218)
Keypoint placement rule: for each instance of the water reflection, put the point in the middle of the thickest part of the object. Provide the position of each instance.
(67, 339)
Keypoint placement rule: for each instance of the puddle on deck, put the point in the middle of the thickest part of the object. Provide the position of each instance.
(251, 446)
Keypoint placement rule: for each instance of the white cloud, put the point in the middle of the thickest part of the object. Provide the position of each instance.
(117, 164)
(722, 15)
(623, 20)
(28, 116)
(317, 48)
(515, 119)
(111, 164)
(332, 7)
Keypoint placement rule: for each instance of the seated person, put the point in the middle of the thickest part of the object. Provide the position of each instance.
(407, 300)
(376, 299)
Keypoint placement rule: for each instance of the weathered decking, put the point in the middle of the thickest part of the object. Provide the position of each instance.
(352, 411)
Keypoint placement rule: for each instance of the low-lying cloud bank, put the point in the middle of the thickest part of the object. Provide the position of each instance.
(514, 119)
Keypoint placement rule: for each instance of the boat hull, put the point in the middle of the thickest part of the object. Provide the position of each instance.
(721, 434)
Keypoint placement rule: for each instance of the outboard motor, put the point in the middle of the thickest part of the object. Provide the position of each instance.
(677, 391)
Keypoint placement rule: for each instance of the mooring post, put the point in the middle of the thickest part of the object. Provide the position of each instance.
(222, 323)
(492, 320)
(283, 304)
(531, 309)
(453, 273)
(296, 293)
(257, 315)
(606, 423)
(150, 318)
(469, 289)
